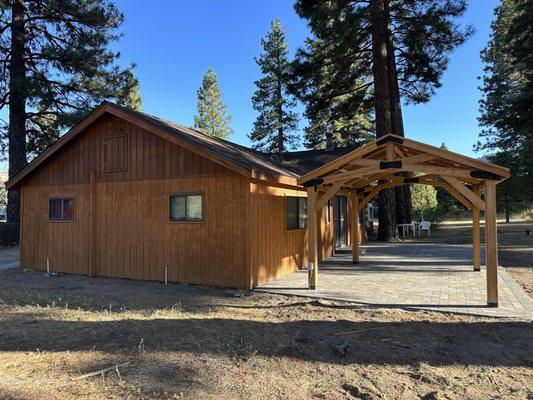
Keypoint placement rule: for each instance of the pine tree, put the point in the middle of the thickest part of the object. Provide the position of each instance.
(338, 116)
(55, 66)
(276, 120)
(507, 88)
(400, 48)
(52, 125)
(212, 118)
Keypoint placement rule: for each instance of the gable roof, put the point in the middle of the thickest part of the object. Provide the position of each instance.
(240, 159)
(407, 156)
(296, 168)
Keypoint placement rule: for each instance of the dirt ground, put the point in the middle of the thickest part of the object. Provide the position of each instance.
(514, 244)
(177, 341)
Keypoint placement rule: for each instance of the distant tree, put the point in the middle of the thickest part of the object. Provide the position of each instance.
(511, 195)
(506, 105)
(400, 48)
(212, 117)
(276, 120)
(424, 200)
(55, 65)
(129, 94)
(444, 198)
(3, 196)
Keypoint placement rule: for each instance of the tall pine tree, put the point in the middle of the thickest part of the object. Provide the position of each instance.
(212, 118)
(55, 65)
(337, 100)
(506, 105)
(276, 120)
(400, 48)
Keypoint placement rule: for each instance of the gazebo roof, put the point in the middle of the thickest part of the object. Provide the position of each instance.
(394, 160)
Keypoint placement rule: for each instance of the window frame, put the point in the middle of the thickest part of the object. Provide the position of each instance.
(186, 194)
(62, 198)
(297, 214)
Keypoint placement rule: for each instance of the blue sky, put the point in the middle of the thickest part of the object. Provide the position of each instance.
(173, 43)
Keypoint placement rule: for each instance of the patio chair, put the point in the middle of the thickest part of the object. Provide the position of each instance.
(424, 226)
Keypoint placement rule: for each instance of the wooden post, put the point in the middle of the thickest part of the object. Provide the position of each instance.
(92, 224)
(312, 234)
(476, 247)
(491, 243)
(354, 221)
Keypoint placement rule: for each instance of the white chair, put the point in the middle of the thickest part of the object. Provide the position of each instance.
(424, 226)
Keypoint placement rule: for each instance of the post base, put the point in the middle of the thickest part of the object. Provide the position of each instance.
(312, 287)
(489, 304)
(477, 269)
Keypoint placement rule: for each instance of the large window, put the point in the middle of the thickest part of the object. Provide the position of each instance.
(295, 213)
(186, 207)
(61, 209)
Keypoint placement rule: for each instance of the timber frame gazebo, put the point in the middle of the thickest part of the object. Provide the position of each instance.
(382, 164)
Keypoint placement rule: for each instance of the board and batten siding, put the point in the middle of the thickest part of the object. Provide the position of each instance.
(143, 154)
(242, 241)
(134, 237)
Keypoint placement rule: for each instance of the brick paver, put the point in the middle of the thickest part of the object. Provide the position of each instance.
(409, 276)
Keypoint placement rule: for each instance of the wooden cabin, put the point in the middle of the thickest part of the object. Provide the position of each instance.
(128, 195)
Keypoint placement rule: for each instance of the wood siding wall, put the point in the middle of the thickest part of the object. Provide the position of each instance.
(135, 238)
(143, 156)
(274, 250)
(241, 242)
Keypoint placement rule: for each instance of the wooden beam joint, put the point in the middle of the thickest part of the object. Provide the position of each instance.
(485, 175)
(313, 182)
(390, 164)
(387, 139)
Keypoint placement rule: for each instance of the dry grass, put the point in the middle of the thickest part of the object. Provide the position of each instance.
(188, 342)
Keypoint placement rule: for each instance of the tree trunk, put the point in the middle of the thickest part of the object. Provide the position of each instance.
(17, 107)
(281, 138)
(402, 194)
(329, 141)
(382, 105)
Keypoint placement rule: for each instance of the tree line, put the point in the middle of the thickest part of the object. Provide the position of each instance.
(362, 60)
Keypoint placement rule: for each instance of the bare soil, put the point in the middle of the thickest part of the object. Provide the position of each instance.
(515, 246)
(199, 343)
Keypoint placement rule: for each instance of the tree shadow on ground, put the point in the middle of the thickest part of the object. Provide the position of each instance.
(344, 342)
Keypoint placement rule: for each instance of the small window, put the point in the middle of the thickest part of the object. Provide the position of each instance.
(61, 209)
(296, 213)
(186, 207)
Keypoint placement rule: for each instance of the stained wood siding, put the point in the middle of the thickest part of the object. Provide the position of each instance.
(274, 250)
(64, 243)
(130, 152)
(135, 238)
(242, 241)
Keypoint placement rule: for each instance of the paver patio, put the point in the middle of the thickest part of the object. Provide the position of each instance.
(410, 276)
